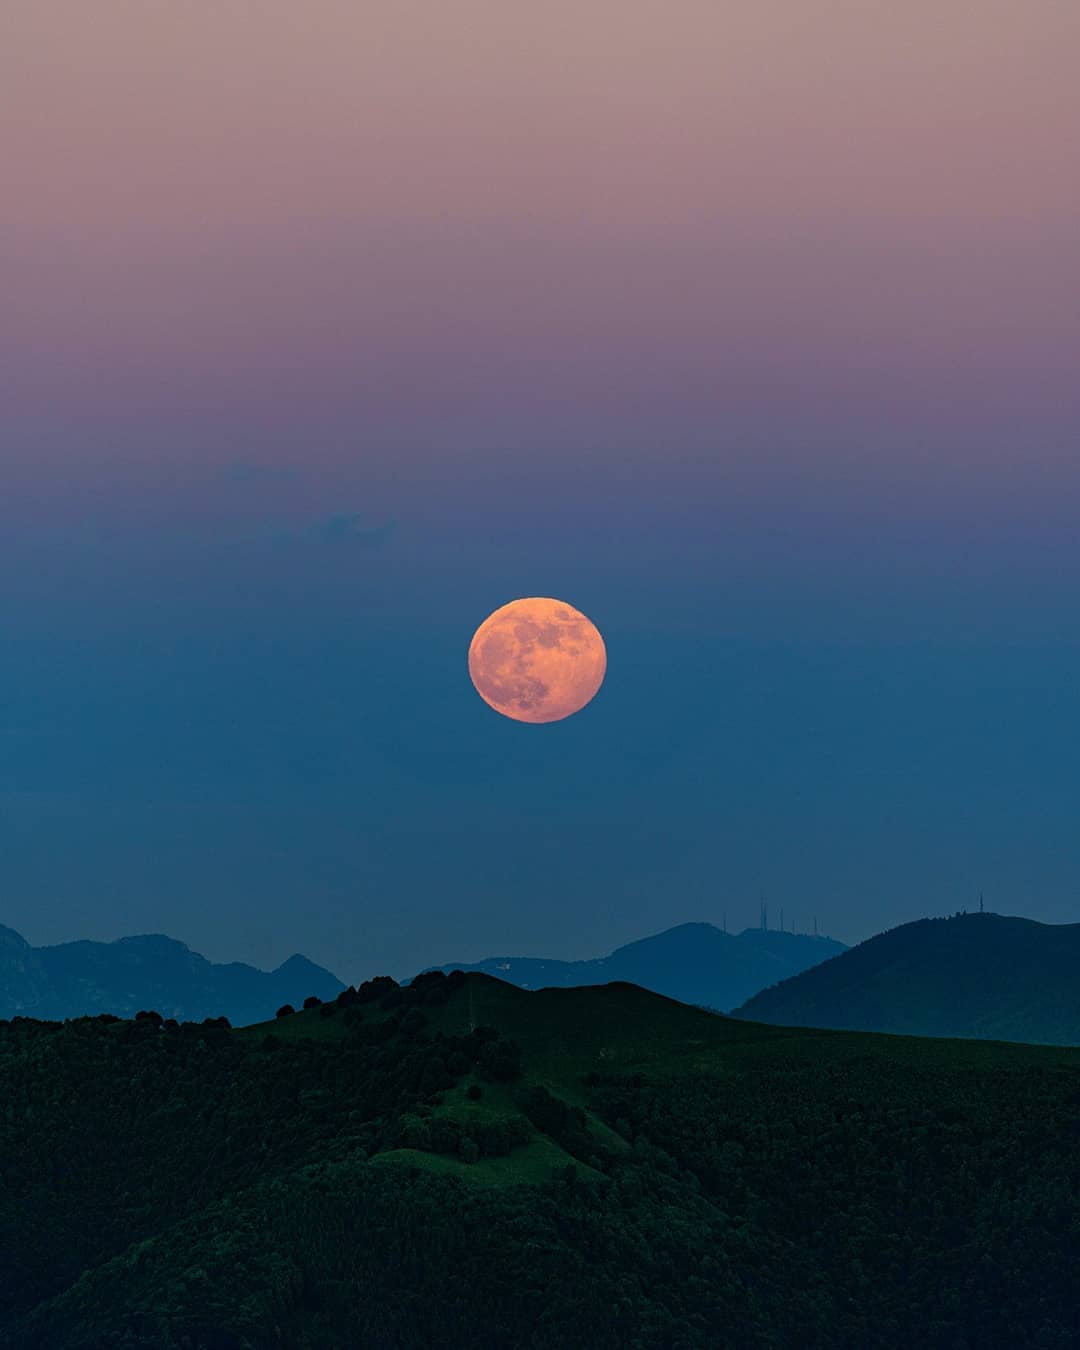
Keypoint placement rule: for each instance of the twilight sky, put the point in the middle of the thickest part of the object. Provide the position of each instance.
(752, 330)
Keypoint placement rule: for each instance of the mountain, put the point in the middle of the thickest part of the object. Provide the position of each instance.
(152, 972)
(694, 963)
(462, 1162)
(989, 976)
(24, 985)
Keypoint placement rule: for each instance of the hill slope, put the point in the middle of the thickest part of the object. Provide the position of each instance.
(694, 963)
(465, 1163)
(75, 979)
(980, 975)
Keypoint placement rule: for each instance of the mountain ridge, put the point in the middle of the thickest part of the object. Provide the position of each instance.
(695, 963)
(146, 971)
(981, 976)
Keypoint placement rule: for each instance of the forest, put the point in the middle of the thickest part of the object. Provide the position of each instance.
(461, 1162)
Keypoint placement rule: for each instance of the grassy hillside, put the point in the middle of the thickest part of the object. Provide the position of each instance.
(979, 975)
(466, 1163)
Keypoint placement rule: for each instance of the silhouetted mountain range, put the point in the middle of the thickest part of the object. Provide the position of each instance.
(694, 963)
(987, 976)
(75, 979)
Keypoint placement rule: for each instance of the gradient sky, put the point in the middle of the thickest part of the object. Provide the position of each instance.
(750, 330)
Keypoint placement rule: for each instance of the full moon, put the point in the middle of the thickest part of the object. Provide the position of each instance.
(537, 660)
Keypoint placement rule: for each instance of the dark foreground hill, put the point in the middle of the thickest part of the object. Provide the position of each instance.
(77, 978)
(694, 963)
(464, 1163)
(983, 975)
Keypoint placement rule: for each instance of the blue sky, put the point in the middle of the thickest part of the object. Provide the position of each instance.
(238, 712)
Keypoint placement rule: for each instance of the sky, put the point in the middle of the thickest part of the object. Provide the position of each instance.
(751, 330)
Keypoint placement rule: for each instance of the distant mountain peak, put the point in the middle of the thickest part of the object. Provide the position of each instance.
(151, 941)
(693, 962)
(296, 962)
(144, 971)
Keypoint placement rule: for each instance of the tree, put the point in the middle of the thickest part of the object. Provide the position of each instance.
(377, 988)
(286, 1010)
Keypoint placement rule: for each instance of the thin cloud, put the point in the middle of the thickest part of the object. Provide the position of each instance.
(352, 528)
(345, 529)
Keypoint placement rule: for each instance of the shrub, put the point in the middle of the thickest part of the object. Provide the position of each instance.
(499, 1061)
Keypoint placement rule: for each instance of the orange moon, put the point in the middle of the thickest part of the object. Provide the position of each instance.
(537, 660)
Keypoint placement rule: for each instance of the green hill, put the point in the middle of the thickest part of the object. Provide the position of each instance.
(465, 1163)
(981, 975)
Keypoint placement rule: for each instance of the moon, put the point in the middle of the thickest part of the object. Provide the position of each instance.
(537, 660)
